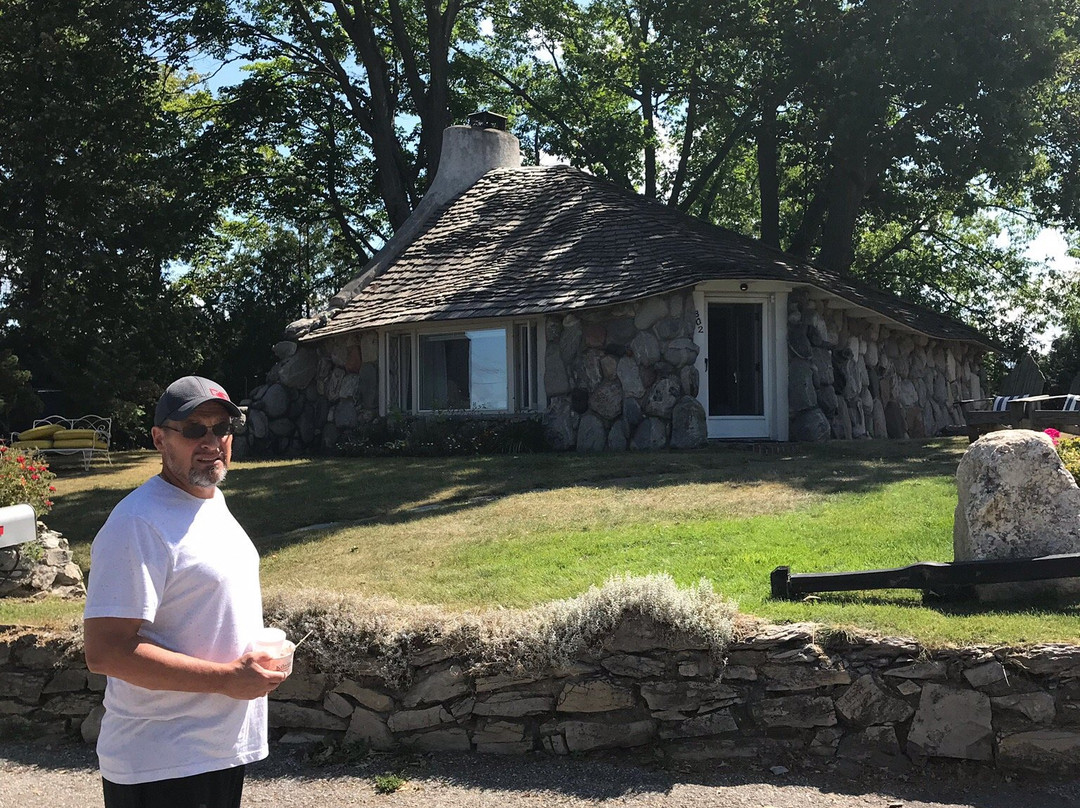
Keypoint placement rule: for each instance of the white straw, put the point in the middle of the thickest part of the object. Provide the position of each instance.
(304, 638)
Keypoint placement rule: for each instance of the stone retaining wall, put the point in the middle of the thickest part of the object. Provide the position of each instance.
(40, 566)
(783, 696)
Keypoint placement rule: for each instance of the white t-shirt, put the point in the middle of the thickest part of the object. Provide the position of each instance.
(186, 567)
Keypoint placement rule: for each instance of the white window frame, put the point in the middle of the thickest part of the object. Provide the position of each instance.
(514, 328)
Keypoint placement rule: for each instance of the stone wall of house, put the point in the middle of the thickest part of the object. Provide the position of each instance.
(851, 378)
(620, 377)
(623, 377)
(315, 395)
(783, 695)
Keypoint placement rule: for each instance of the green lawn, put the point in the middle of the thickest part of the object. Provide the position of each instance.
(515, 531)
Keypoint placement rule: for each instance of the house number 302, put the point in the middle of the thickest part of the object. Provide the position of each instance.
(697, 321)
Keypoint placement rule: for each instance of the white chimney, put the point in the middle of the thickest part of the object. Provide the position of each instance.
(468, 153)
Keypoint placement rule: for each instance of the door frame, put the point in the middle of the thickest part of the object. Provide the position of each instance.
(772, 297)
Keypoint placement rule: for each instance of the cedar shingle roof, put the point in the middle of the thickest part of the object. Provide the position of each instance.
(533, 240)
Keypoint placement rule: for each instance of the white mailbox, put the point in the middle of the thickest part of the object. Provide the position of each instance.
(18, 525)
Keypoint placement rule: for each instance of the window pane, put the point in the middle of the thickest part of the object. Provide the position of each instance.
(463, 371)
(525, 366)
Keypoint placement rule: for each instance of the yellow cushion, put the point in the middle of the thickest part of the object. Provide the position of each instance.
(44, 443)
(79, 443)
(44, 431)
(73, 434)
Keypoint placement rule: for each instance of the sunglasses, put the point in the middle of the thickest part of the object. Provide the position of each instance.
(195, 431)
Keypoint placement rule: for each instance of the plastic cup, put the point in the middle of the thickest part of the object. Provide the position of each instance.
(272, 641)
(282, 660)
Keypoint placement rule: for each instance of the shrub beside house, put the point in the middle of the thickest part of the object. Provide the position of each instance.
(542, 292)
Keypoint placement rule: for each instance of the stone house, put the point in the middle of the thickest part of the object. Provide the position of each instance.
(621, 322)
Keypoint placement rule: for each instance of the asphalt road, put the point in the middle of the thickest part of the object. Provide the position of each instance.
(65, 776)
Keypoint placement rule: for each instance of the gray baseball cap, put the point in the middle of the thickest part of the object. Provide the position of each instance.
(182, 397)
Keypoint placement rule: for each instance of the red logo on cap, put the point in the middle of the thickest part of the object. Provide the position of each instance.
(219, 393)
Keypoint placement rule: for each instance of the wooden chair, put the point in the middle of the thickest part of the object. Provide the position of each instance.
(984, 415)
(1059, 412)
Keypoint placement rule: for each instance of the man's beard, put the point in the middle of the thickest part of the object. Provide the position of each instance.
(207, 478)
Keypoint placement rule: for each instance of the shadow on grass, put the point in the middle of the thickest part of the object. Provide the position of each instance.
(275, 499)
(959, 607)
(272, 500)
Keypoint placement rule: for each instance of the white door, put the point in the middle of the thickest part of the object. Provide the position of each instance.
(738, 368)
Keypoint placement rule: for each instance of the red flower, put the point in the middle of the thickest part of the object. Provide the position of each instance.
(52, 488)
(35, 476)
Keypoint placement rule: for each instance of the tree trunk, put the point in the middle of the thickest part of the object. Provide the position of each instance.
(810, 225)
(768, 180)
(394, 177)
(848, 183)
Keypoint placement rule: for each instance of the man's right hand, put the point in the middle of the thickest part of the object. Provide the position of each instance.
(250, 680)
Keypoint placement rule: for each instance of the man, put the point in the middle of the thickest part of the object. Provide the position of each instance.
(172, 607)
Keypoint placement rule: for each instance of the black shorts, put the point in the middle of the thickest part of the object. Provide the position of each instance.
(220, 789)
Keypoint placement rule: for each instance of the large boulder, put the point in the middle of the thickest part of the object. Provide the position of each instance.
(801, 392)
(688, 424)
(810, 425)
(299, 369)
(1015, 499)
(560, 424)
(591, 434)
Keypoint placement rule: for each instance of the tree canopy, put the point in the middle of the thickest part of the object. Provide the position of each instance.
(155, 223)
(104, 181)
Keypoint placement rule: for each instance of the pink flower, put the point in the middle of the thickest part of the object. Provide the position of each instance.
(1054, 434)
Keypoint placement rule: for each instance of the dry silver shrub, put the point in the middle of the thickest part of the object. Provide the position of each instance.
(553, 634)
(354, 636)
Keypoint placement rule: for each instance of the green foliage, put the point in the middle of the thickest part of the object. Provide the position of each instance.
(33, 552)
(25, 477)
(445, 435)
(18, 402)
(1062, 362)
(388, 783)
(249, 281)
(107, 178)
(1069, 450)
